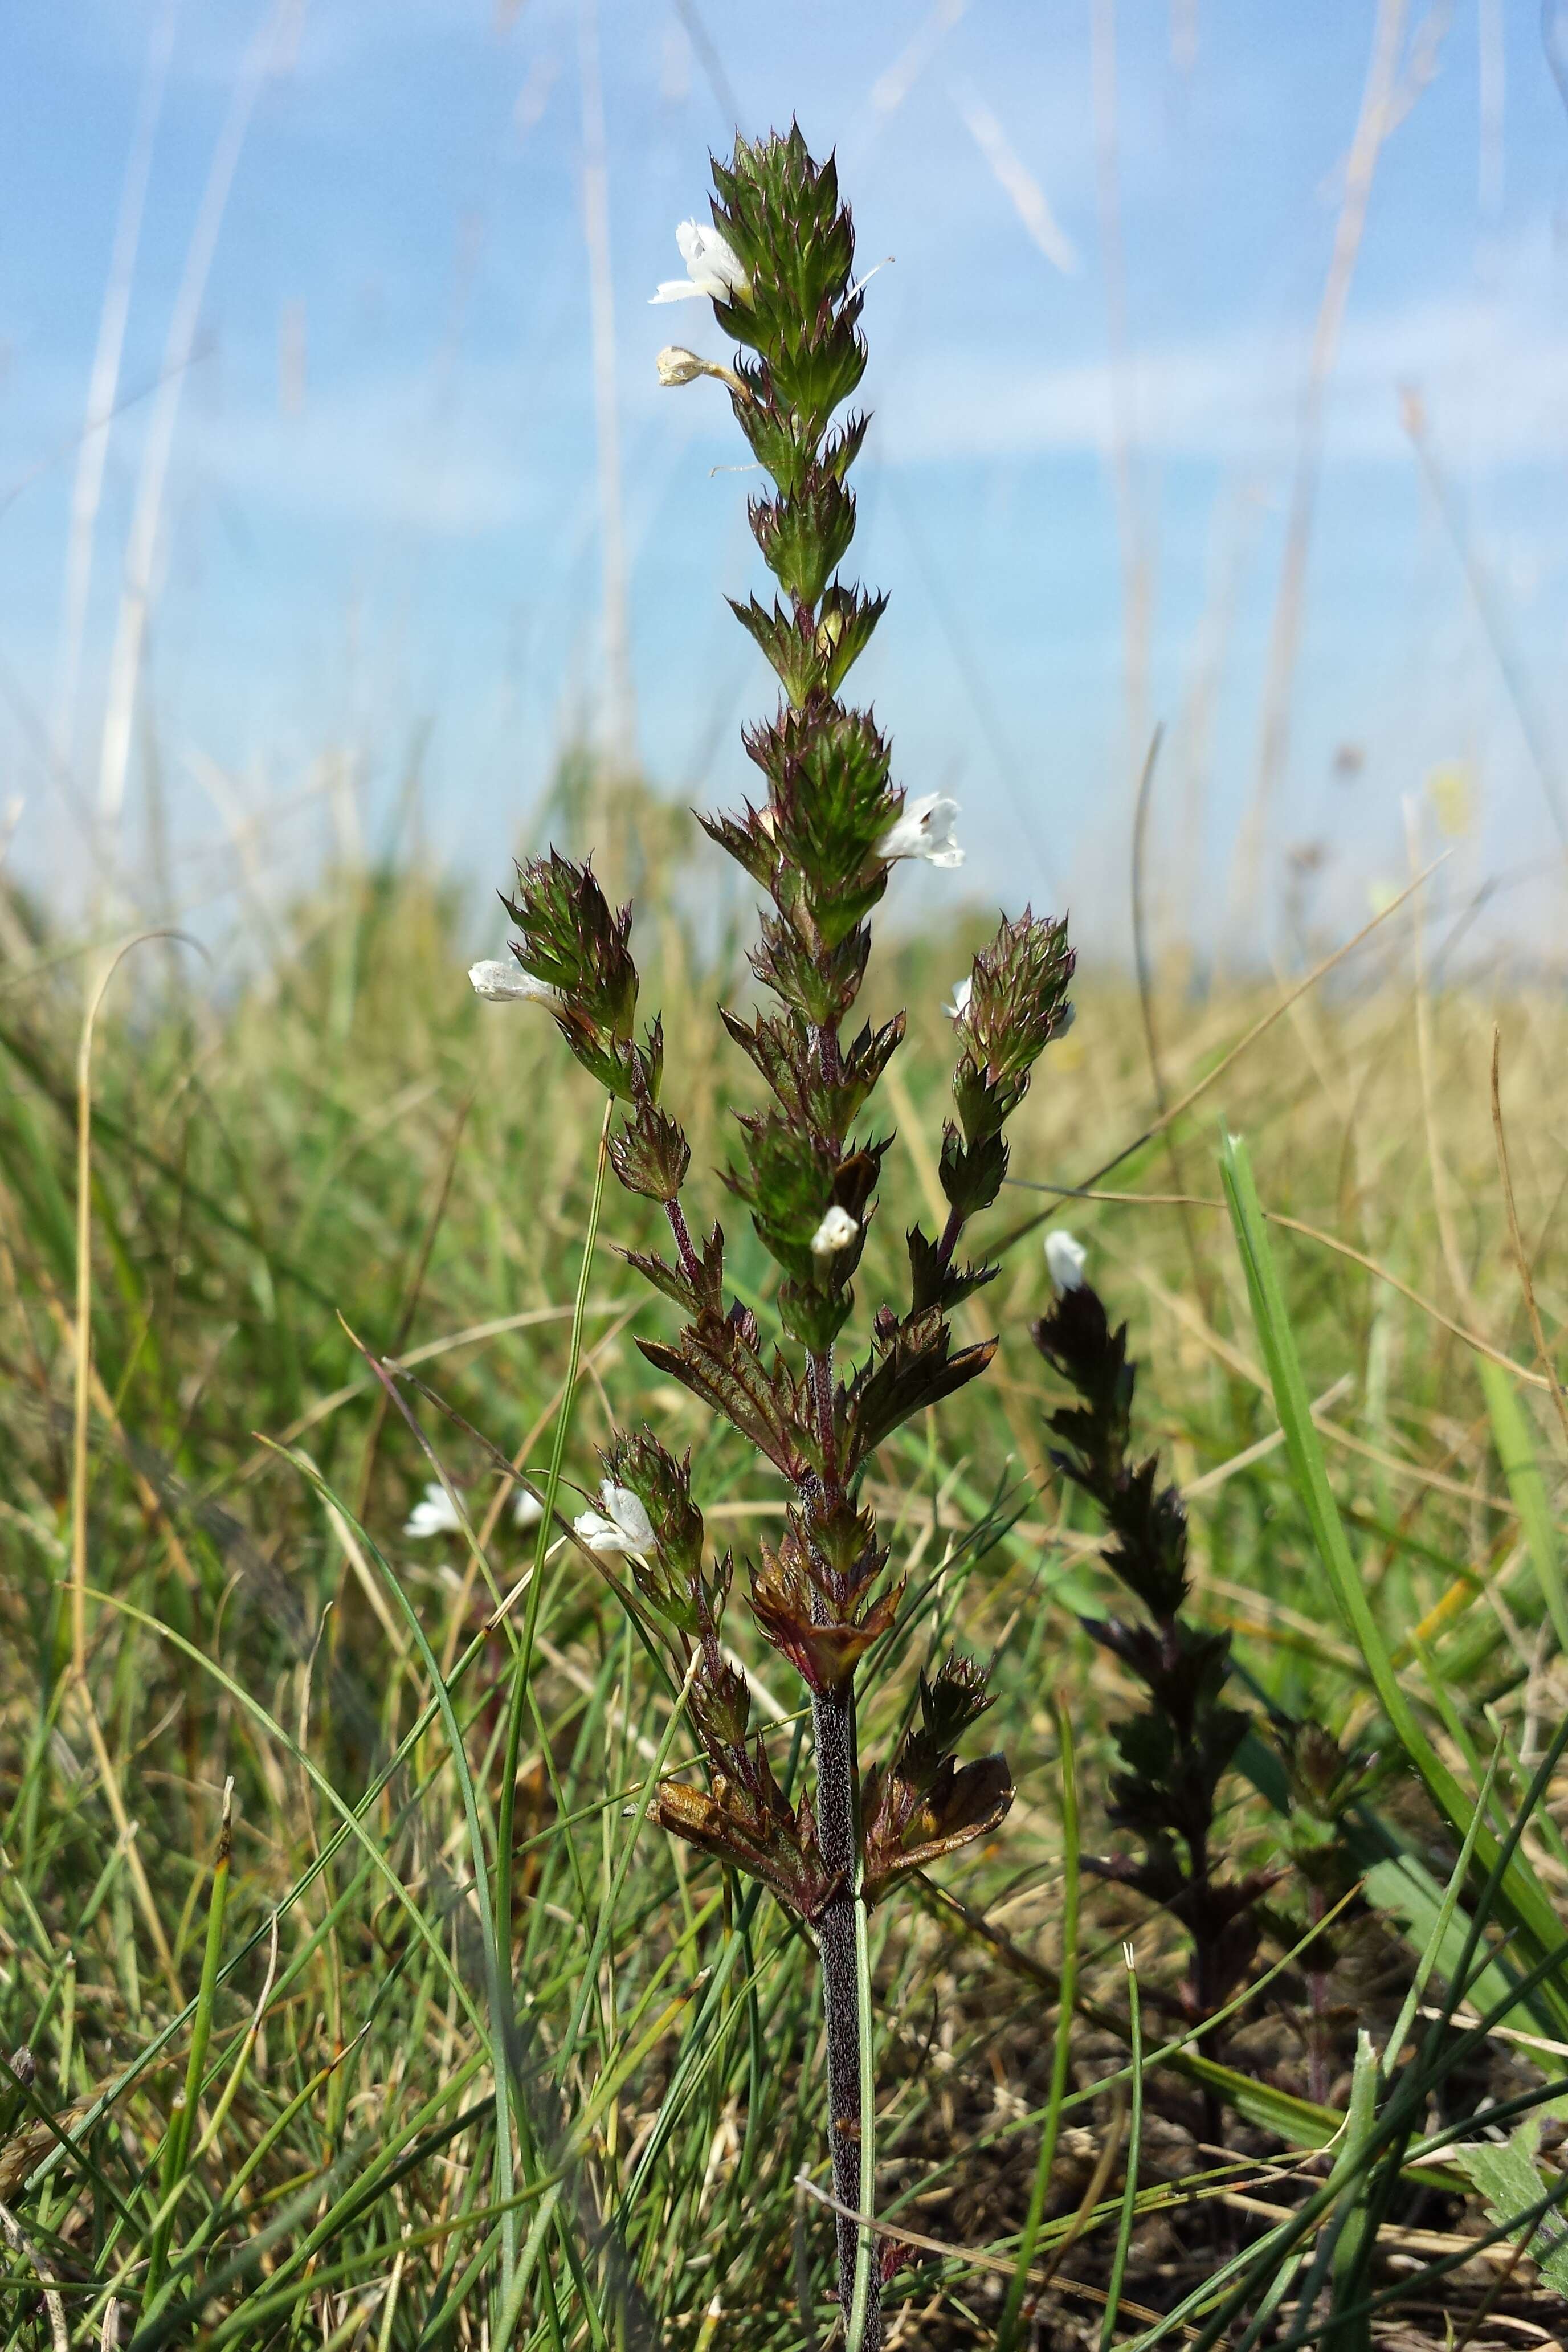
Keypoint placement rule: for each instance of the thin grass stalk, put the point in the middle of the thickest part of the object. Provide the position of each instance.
(178, 2145)
(1061, 2048)
(140, 554)
(1249, 1037)
(1408, 2100)
(656, 1772)
(1134, 2146)
(1434, 1941)
(352, 1825)
(1524, 1903)
(1353, 2228)
(1468, 1972)
(104, 381)
(509, 2101)
(522, 1688)
(866, 2249)
(1372, 123)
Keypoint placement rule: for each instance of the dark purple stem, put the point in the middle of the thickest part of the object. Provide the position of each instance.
(691, 1266)
(820, 1374)
(948, 1241)
(838, 1837)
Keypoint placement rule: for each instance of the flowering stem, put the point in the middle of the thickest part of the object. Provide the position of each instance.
(822, 843)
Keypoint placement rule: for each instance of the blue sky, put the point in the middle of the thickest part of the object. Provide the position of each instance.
(377, 535)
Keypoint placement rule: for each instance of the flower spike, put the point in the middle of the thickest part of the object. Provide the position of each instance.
(821, 839)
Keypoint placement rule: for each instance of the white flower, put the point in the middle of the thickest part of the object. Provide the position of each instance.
(435, 1516)
(623, 1525)
(962, 990)
(711, 268)
(1065, 1260)
(835, 1231)
(507, 983)
(678, 365)
(924, 830)
(528, 1510)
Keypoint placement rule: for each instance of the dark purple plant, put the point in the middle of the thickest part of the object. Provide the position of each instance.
(1176, 1750)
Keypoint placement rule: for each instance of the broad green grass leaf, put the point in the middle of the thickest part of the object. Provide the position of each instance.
(1516, 1452)
(1523, 1904)
(1407, 1892)
(1509, 2181)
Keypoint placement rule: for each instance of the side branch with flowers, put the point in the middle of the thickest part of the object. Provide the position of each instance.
(821, 841)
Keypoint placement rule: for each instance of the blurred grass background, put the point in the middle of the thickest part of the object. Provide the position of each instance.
(348, 1146)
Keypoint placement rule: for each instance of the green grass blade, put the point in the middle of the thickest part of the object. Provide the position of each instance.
(1134, 2149)
(1527, 1485)
(1062, 2048)
(1522, 1902)
(178, 2145)
(509, 2101)
(866, 2244)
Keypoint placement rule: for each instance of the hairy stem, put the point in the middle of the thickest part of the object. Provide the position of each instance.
(838, 1834)
(820, 1374)
(690, 1265)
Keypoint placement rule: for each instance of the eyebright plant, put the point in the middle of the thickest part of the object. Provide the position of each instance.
(1176, 1752)
(820, 839)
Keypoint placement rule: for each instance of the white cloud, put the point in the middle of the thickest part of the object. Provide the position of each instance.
(320, 41)
(361, 451)
(1495, 383)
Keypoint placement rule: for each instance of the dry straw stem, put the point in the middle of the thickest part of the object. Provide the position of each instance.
(996, 2265)
(1243, 1043)
(1372, 123)
(102, 396)
(83, 1392)
(414, 1290)
(1132, 517)
(1442, 1202)
(141, 551)
(1526, 1281)
(1341, 1249)
(606, 417)
(1515, 678)
(494, 1326)
(20, 2243)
